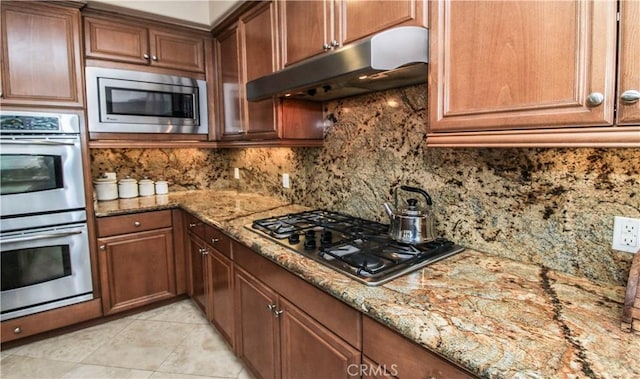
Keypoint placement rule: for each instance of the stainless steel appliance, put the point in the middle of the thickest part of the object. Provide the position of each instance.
(393, 58)
(44, 245)
(40, 163)
(124, 101)
(412, 223)
(359, 248)
(44, 267)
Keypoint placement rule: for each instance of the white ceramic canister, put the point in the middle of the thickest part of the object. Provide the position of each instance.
(146, 187)
(106, 188)
(128, 188)
(162, 187)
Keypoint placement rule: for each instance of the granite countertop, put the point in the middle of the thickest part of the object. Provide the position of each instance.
(497, 317)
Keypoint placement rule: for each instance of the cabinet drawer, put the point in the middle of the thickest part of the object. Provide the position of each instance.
(402, 357)
(132, 223)
(218, 240)
(195, 226)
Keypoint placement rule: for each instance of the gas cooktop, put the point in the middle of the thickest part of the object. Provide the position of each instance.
(359, 248)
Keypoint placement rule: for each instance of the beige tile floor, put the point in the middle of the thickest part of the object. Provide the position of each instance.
(170, 342)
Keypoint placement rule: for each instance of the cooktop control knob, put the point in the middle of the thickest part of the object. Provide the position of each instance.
(326, 237)
(294, 238)
(309, 243)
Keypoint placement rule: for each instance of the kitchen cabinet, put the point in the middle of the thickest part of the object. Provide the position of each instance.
(134, 42)
(247, 50)
(287, 328)
(312, 28)
(628, 98)
(211, 271)
(136, 257)
(40, 55)
(509, 79)
(401, 358)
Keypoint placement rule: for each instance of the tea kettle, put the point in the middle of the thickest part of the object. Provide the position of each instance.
(411, 224)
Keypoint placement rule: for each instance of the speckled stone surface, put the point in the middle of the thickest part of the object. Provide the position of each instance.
(551, 207)
(498, 317)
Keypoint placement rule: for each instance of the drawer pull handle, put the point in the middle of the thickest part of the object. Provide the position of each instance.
(214, 240)
(17, 330)
(194, 224)
(137, 224)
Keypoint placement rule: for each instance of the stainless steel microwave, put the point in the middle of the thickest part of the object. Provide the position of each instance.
(125, 101)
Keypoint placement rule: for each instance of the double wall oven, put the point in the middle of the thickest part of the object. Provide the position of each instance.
(44, 243)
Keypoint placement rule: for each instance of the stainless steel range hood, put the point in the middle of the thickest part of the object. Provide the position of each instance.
(394, 58)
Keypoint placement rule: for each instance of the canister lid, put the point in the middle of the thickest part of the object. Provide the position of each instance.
(104, 179)
(145, 181)
(128, 180)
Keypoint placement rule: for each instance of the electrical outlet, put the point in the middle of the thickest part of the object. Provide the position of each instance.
(625, 234)
(285, 181)
(236, 173)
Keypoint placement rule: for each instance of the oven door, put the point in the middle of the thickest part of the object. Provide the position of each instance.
(43, 269)
(40, 174)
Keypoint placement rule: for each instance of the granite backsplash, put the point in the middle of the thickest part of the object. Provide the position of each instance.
(553, 207)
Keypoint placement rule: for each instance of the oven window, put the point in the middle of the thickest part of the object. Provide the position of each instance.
(131, 102)
(25, 267)
(23, 173)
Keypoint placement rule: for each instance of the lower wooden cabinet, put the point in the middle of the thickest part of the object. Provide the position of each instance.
(288, 328)
(391, 355)
(136, 267)
(278, 340)
(211, 275)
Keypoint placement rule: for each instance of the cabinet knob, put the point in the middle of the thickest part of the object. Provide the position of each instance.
(137, 224)
(17, 330)
(145, 56)
(271, 307)
(278, 313)
(326, 46)
(203, 251)
(155, 58)
(103, 247)
(214, 240)
(594, 99)
(194, 224)
(630, 97)
(335, 43)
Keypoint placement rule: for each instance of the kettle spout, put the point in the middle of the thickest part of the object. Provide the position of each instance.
(389, 210)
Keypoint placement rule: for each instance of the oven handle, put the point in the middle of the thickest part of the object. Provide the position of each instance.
(37, 142)
(40, 237)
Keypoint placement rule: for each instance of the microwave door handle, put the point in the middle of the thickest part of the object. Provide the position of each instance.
(36, 142)
(39, 237)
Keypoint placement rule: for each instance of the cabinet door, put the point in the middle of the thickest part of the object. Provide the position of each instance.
(499, 65)
(41, 63)
(307, 26)
(136, 269)
(196, 287)
(181, 52)
(309, 350)
(258, 339)
(230, 96)
(220, 277)
(361, 18)
(629, 62)
(259, 58)
(104, 39)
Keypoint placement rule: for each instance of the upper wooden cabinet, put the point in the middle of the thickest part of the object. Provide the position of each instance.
(138, 43)
(247, 50)
(41, 59)
(526, 73)
(312, 28)
(629, 64)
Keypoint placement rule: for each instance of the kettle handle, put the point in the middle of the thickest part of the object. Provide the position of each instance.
(420, 191)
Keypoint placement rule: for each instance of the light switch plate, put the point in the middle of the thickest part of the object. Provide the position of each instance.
(285, 181)
(236, 173)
